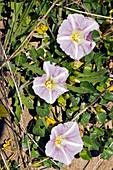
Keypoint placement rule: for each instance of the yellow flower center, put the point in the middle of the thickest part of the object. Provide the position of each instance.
(76, 36)
(58, 140)
(49, 83)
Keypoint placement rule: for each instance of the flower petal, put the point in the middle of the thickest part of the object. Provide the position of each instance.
(39, 80)
(49, 68)
(91, 25)
(65, 28)
(61, 77)
(57, 154)
(70, 127)
(50, 148)
(43, 93)
(85, 48)
(54, 71)
(64, 38)
(56, 92)
(68, 47)
(71, 18)
(79, 21)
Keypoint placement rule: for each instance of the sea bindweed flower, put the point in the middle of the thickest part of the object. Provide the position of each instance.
(75, 35)
(64, 143)
(52, 84)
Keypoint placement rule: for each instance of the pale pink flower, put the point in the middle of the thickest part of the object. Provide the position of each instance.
(64, 143)
(75, 35)
(52, 84)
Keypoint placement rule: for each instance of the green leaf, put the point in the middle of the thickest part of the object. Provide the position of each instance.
(40, 52)
(108, 96)
(76, 89)
(95, 36)
(34, 68)
(107, 153)
(87, 86)
(85, 118)
(33, 53)
(85, 154)
(59, 53)
(25, 142)
(3, 111)
(87, 141)
(111, 113)
(75, 100)
(27, 101)
(101, 117)
(95, 145)
(21, 59)
(89, 57)
(93, 77)
(34, 153)
(39, 128)
(97, 133)
(43, 110)
(104, 101)
(61, 101)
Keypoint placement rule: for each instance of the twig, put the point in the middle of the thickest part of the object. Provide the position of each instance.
(88, 13)
(13, 78)
(92, 103)
(1, 153)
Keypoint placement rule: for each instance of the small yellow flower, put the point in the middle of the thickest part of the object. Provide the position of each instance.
(50, 121)
(42, 29)
(110, 89)
(6, 144)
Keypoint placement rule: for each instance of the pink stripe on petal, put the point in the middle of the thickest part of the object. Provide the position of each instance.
(60, 155)
(54, 132)
(43, 92)
(58, 71)
(88, 46)
(78, 19)
(65, 28)
(64, 44)
(73, 145)
(66, 158)
(68, 47)
(71, 19)
(39, 90)
(50, 148)
(73, 150)
(61, 78)
(49, 68)
(72, 129)
(89, 28)
(39, 80)
(58, 130)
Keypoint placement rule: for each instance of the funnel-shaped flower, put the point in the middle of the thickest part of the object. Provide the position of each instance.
(75, 35)
(64, 143)
(52, 84)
